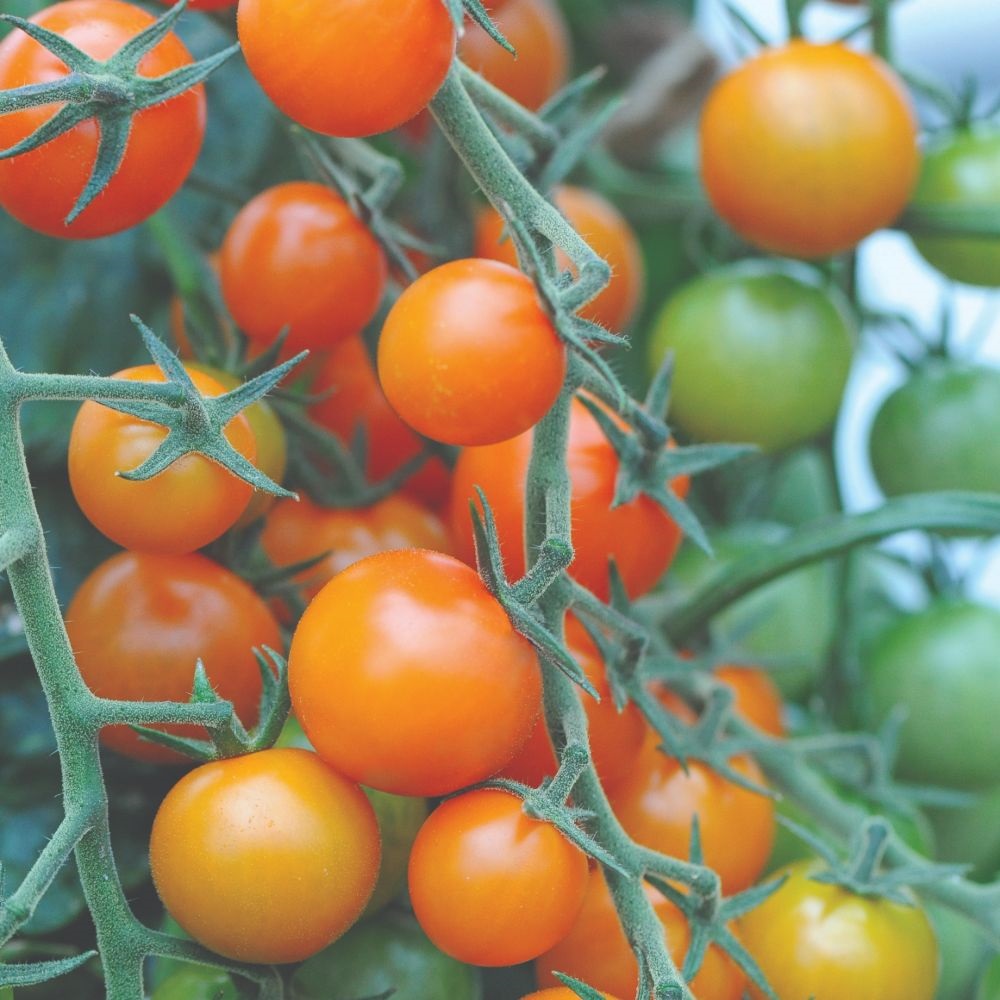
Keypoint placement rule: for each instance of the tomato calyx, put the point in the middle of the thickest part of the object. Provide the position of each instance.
(112, 92)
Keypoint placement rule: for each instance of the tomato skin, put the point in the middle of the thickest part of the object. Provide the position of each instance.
(206, 4)
(196, 982)
(346, 68)
(179, 510)
(267, 857)
(297, 256)
(41, 187)
(607, 232)
(468, 355)
(819, 940)
(407, 675)
(989, 986)
(806, 149)
(970, 835)
(559, 993)
(639, 535)
(489, 884)
(755, 697)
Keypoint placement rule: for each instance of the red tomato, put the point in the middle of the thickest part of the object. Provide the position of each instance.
(755, 697)
(490, 885)
(205, 4)
(639, 535)
(40, 188)
(139, 624)
(407, 675)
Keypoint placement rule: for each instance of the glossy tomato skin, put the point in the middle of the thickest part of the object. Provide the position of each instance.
(267, 857)
(489, 884)
(206, 4)
(806, 148)
(139, 623)
(196, 982)
(813, 939)
(609, 235)
(179, 510)
(760, 356)
(297, 256)
(345, 68)
(468, 356)
(407, 675)
(638, 534)
(755, 697)
(41, 187)
(597, 952)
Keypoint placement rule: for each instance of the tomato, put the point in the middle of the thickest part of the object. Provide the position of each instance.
(297, 530)
(196, 982)
(559, 993)
(806, 149)
(814, 939)
(206, 4)
(755, 697)
(489, 884)
(761, 356)
(640, 537)
(537, 31)
(657, 802)
(407, 675)
(140, 622)
(609, 235)
(961, 171)
(40, 188)
(296, 256)
(353, 402)
(962, 947)
(346, 68)
(182, 508)
(616, 738)
(267, 857)
(468, 355)
(940, 430)
(597, 952)
(989, 985)
(970, 835)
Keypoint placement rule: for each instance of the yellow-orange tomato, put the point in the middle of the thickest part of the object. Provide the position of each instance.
(180, 509)
(597, 952)
(489, 884)
(267, 857)
(560, 993)
(806, 149)
(537, 31)
(607, 232)
(755, 697)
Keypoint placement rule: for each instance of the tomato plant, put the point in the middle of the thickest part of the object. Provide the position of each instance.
(755, 697)
(989, 986)
(559, 993)
(196, 982)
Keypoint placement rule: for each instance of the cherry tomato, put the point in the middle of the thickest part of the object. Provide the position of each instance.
(989, 986)
(267, 857)
(559, 993)
(206, 4)
(196, 982)
(296, 256)
(962, 947)
(597, 952)
(755, 697)
(182, 508)
(345, 68)
(40, 188)
(814, 939)
(806, 149)
(537, 31)
(468, 356)
(407, 675)
(970, 835)
(640, 537)
(139, 623)
(489, 884)
(607, 232)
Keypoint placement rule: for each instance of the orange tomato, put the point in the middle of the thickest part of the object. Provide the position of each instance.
(755, 697)
(559, 993)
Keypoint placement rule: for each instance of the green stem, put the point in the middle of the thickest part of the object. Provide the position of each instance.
(881, 41)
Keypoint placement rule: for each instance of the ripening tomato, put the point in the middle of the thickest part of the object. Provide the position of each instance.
(468, 355)
(196, 982)
(40, 188)
(346, 68)
(640, 537)
(537, 31)
(814, 939)
(609, 235)
(267, 857)
(180, 509)
(206, 4)
(407, 675)
(296, 256)
(139, 623)
(806, 149)
(597, 952)
(489, 884)
(560, 993)
(755, 697)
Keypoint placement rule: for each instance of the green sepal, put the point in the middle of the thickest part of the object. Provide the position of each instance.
(581, 989)
(32, 973)
(479, 14)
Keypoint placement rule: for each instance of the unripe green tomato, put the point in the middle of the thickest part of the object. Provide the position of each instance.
(940, 430)
(962, 946)
(971, 834)
(989, 985)
(196, 982)
(760, 356)
(961, 170)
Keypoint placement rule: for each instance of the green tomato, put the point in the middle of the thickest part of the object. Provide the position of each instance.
(962, 171)
(760, 356)
(376, 955)
(962, 947)
(802, 488)
(943, 666)
(971, 834)
(940, 430)
(196, 982)
(989, 985)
